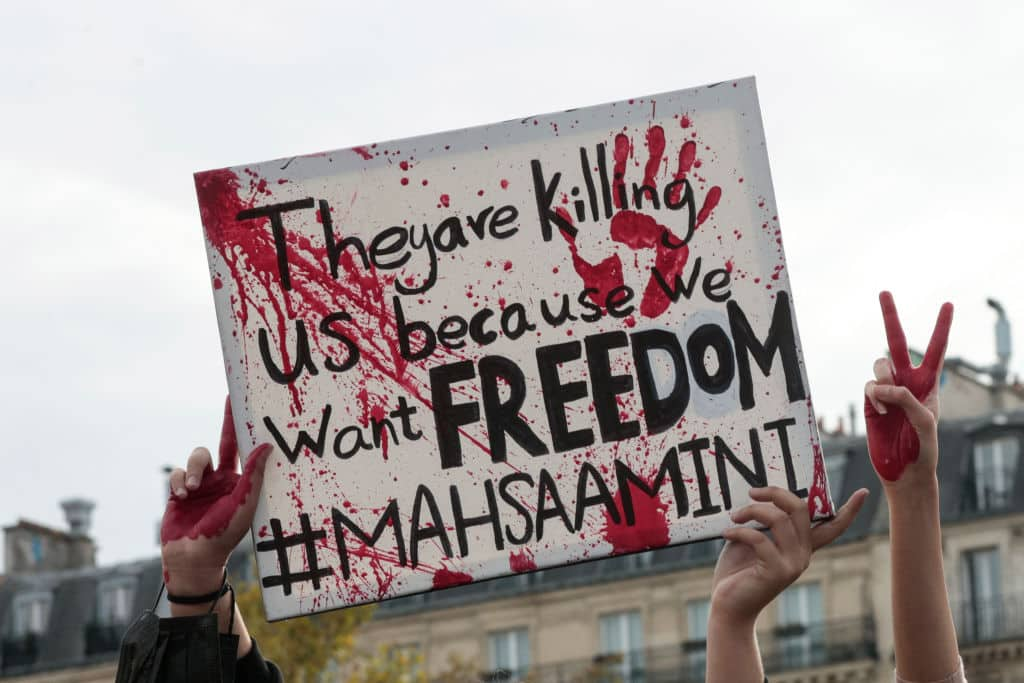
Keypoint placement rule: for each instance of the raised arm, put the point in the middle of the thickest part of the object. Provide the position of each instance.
(208, 513)
(753, 568)
(901, 410)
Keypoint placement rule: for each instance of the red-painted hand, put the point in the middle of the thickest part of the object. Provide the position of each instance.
(901, 405)
(209, 512)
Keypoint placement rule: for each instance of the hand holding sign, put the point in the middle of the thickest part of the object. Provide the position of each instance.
(901, 405)
(209, 512)
(754, 568)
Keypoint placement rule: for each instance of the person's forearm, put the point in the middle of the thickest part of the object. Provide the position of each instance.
(732, 655)
(926, 647)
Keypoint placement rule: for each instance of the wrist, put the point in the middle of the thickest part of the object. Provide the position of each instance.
(730, 619)
(194, 581)
(913, 491)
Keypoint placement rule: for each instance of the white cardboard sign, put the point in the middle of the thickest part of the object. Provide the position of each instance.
(509, 347)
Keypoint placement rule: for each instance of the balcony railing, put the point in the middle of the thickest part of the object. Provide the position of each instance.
(787, 648)
(985, 621)
(804, 646)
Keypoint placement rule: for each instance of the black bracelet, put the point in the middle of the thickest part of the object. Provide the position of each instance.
(213, 596)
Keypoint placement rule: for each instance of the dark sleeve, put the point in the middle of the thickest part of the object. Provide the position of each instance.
(252, 668)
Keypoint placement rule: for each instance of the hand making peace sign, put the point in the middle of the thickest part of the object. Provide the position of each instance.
(901, 405)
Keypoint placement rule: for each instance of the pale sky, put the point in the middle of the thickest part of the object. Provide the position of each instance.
(895, 133)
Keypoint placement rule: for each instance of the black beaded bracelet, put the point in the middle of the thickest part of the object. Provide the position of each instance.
(213, 596)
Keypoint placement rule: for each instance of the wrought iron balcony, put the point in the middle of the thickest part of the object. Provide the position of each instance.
(782, 649)
(987, 621)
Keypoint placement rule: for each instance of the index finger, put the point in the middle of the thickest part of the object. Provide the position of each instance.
(785, 500)
(894, 333)
(937, 345)
(227, 457)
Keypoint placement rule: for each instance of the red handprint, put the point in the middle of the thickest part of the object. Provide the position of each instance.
(640, 231)
(902, 404)
(209, 511)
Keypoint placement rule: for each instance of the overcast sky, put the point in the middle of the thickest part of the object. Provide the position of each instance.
(895, 132)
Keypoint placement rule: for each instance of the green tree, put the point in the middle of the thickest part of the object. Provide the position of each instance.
(388, 665)
(303, 648)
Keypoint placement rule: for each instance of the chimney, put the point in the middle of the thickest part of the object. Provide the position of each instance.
(78, 512)
(1003, 344)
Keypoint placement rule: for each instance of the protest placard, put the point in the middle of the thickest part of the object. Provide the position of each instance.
(510, 347)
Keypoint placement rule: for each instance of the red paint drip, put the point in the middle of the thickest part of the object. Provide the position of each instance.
(655, 150)
(819, 504)
(522, 561)
(623, 149)
(445, 578)
(710, 202)
(687, 156)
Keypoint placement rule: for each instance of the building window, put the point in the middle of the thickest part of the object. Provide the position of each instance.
(835, 470)
(116, 600)
(622, 638)
(800, 632)
(696, 647)
(31, 614)
(994, 465)
(509, 653)
(980, 583)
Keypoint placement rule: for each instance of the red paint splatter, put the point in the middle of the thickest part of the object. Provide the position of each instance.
(504, 184)
(446, 578)
(445, 199)
(217, 283)
(819, 503)
(363, 152)
(650, 530)
(404, 165)
(684, 121)
(522, 561)
(405, 181)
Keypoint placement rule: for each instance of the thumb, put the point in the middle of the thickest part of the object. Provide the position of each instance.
(823, 534)
(921, 419)
(246, 493)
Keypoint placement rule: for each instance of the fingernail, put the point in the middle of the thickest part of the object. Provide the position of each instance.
(882, 410)
(192, 482)
(180, 492)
